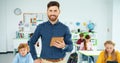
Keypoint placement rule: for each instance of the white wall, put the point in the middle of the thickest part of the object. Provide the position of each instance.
(3, 26)
(99, 11)
(116, 23)
(27, 6)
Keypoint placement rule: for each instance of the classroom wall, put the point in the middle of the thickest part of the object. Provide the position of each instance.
(3, 26)
(116, 23)
(98, 11)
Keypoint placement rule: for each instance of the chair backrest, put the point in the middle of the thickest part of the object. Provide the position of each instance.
(73, 58)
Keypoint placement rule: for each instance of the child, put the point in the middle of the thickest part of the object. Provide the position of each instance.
(81, 38)
(23, 55)
(109, 54)
(87, 45)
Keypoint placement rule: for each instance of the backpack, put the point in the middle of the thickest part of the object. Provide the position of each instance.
(73, 58)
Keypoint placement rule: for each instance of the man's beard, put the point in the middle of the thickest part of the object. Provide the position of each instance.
(52, 17)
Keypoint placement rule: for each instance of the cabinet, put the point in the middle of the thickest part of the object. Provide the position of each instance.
(16, 42)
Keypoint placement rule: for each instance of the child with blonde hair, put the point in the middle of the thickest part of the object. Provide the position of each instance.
(109, 54)
(23, 55)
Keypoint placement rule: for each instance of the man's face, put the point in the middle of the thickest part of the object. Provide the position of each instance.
(53, 13)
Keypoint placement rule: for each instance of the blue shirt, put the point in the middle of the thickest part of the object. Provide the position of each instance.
(46, 31)
(23, 59)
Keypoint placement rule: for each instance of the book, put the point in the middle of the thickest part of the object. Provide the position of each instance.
(54, 39)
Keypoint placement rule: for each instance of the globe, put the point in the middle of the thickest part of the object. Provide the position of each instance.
(91, 26)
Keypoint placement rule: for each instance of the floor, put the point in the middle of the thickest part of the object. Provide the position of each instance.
(6, 58)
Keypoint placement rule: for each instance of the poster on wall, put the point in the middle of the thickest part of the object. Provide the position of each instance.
(31, 20)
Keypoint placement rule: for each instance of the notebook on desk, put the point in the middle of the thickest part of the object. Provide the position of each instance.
(112, 62)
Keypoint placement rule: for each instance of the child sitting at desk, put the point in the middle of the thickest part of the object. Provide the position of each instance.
(87, 45)
(80, 40)
(23, 55)
(109, 54)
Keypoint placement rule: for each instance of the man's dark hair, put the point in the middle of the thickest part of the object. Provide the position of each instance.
(53, 3)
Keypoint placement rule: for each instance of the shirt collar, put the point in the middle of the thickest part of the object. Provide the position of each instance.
(55, 23)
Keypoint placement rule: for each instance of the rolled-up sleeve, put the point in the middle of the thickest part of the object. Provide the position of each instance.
(68, 41)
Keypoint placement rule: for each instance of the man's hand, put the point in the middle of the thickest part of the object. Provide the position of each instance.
(38, 61)
(59, 44)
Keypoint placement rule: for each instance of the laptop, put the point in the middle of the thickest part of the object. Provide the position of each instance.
(112, 62)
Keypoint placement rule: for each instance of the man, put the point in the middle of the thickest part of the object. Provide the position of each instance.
(52, 28)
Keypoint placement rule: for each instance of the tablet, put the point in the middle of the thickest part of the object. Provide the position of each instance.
(54, 39)
(112, 62)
